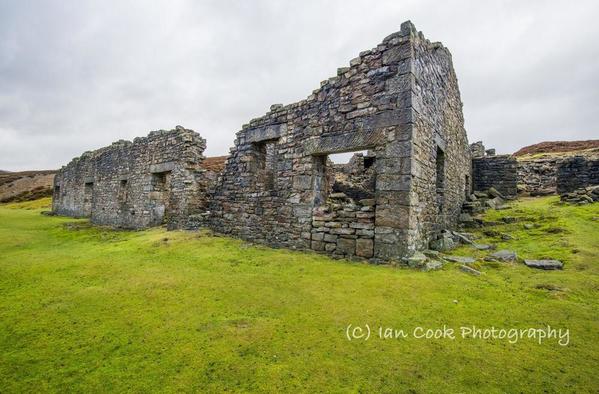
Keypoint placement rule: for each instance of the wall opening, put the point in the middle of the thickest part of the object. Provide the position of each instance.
(343, 220)
(88, 193)
(265, 154)
(466, 186)
(440, 181)
(352, 173)
(160, 196)
(123, 191)
(321, 184)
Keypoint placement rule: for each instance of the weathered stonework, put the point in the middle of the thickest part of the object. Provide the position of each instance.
(538, 177)
(477, 149)
(150, 181)
(400, 101)
(500, 172)
(550, 175)
(577, 172)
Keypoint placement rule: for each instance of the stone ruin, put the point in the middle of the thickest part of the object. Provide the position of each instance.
(158, 179)
(399, 101)
(534, 176)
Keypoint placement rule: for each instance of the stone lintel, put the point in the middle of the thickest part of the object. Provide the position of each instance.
(265, 133)
(440, 142)
(162, 167)
(345, 142)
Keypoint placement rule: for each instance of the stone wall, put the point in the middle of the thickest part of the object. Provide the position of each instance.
(150, 181)
(477, 149)
(577, 172)
(344, 228)
(441, 161)
(500, 172)
(400, 101)
(538, 177)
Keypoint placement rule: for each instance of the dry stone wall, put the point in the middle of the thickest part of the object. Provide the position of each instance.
(545, 176)
(577, 172)
(500, 172)
(150, 181)
(343, 227)
(538, 177)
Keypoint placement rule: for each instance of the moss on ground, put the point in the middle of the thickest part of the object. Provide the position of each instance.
(90, 309)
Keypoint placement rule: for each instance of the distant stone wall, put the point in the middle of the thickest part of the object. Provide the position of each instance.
(500, 172)
(538, 176)
(477, 149)
(577, 172)
(150, 181)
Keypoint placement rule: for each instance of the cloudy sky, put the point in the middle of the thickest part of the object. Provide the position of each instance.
(77, 75)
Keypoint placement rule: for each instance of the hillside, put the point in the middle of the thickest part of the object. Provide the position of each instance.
(215, 163)
(25, 185)
(559, 147)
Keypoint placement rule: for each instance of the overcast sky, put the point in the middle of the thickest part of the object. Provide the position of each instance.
(77, 75)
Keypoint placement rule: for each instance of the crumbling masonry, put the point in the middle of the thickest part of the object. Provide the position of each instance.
(399, 101)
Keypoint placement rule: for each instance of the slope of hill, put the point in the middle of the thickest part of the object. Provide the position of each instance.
(558, 147)
(25, 185)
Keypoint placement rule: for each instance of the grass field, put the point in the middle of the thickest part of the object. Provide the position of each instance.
(90, 309)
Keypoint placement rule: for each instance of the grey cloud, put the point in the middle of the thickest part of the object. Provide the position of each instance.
(75, 76)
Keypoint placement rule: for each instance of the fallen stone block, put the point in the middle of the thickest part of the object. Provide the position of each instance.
(417, 260)
(469, 270)
(433, 265)
(460, 259)
(503, 255)
(544, 264)
(482, 246)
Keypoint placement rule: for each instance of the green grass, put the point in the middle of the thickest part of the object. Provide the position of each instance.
(90, 309)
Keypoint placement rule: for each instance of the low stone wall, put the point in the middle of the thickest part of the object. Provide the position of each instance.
(577, 172)
(344, 228)
(500, 172)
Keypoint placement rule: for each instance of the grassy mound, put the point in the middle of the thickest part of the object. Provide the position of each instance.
(84, 308)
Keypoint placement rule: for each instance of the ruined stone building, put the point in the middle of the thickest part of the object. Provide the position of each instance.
(399, 101)
(153, 180)
(535, 176)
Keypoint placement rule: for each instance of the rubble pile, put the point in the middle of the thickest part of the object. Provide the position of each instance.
(584, 195)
